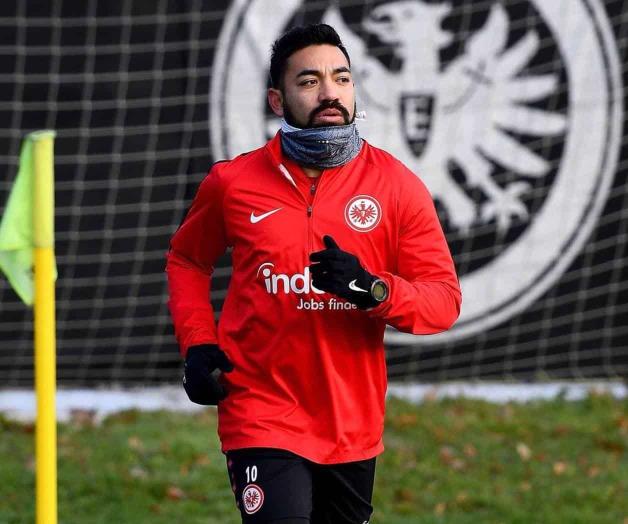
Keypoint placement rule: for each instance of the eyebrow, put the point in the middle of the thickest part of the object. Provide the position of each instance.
(315, 72)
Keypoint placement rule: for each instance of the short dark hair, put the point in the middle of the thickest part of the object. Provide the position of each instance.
(296, 39)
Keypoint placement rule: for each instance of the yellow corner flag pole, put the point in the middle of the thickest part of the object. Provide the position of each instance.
(45, 332)
(27, 240)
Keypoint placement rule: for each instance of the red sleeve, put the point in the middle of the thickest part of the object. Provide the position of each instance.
(194, 248)
(424, 294)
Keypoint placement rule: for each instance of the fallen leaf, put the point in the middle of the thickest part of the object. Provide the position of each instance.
(559, 468)
(135, 443)
(525, 486)
(561, 430)
(440, 433)
(449, 457)
(404, 495)
(462, 497)
(593, 472)
(440, 508)
(612, 446)
(203, 460)
(458, 465)
(524, 451)
(138, 473)
(175, 493)
(83, 418)
(405, 420)
(27, 428)
(129, 416)
(470, 450)
(447, 454)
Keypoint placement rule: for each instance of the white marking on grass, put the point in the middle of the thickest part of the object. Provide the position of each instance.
(19, 404)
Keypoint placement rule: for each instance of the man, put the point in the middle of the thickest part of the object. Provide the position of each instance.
(332, 239)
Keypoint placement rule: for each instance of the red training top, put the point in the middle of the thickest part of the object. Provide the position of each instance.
(310, 373)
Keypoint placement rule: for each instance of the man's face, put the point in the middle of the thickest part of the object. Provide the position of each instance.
(317, 89)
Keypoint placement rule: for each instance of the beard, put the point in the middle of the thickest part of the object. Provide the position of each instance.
(327, 104)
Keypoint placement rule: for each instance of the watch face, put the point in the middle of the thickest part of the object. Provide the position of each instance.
(379, 291)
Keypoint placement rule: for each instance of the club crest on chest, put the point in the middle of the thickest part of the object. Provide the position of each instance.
(363, 213)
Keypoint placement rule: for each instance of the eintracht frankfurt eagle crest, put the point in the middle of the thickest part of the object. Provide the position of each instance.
(363, 213)
(509, 113)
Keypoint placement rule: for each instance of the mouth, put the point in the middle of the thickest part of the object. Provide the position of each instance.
(329, 113)
(334, 115)
(329, 116)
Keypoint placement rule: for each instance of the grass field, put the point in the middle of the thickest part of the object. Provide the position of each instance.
(450, 461)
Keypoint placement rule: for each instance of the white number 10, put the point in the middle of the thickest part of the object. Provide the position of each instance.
(251, 474)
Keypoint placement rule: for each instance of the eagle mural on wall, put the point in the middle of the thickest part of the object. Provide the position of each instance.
(464, 114)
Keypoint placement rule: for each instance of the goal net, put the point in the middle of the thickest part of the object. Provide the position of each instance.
(511, 112)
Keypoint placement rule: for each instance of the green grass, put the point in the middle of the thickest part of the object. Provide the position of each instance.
(451, 461)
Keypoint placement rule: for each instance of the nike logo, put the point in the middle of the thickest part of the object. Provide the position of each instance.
(353, 287)
(255, 219)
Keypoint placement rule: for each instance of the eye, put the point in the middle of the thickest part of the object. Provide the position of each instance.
(344, 79)
(308, 82)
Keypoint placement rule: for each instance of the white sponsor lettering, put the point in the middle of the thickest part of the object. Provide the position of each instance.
(311, 304)
(299, 283)
(333, 304)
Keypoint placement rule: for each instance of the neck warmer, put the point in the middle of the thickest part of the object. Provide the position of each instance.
(320, 147)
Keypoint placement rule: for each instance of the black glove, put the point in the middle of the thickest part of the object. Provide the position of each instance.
(198, 382)
(341, 274)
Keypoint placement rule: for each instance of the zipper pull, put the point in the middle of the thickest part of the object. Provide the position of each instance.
(313, 189)
(309, 211)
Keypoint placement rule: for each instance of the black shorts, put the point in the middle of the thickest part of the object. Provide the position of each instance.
(273, 484)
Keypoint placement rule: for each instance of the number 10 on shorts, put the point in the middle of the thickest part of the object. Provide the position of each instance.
(251, 474)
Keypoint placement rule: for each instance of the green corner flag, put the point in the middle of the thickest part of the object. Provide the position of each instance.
(16, 228)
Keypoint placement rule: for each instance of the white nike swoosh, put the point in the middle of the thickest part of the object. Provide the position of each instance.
(353, 287)
(256, 219)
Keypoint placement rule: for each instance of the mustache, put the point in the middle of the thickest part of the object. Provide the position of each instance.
(329, 104)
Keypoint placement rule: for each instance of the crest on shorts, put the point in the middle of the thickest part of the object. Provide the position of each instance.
(252, 498)
(363, 213)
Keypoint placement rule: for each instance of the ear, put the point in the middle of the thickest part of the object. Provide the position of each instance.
(275, 101)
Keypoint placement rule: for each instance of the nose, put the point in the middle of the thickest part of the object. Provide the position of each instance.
(328, 90)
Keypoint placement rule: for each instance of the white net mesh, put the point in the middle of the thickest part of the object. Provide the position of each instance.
(145, 95)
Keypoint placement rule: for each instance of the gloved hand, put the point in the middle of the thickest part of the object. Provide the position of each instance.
(198, 382)
(341, 273)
